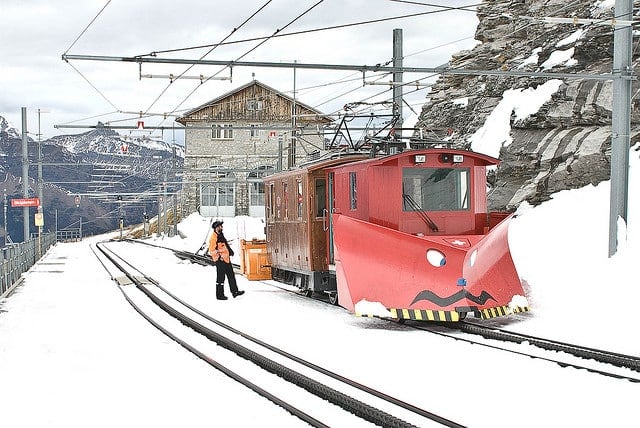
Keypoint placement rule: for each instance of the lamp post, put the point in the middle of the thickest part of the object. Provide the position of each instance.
(6, 228)
(40, 190)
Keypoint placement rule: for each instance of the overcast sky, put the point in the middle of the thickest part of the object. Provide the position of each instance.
(35, 34)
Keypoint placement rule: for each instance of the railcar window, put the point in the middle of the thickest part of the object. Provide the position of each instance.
(299, 199)
(285, 196)
(435, 189)
(353, 193)
(271, 200)
(321, 196)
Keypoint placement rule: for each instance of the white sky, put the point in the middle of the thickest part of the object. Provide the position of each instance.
(36, 33)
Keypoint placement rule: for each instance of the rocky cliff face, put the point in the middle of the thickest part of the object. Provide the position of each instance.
(566, 142)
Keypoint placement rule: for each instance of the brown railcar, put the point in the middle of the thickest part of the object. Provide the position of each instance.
(297, 215)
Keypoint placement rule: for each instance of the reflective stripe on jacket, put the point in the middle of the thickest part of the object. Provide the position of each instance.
(218, 248)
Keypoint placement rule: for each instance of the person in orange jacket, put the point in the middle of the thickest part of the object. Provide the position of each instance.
(221, 253)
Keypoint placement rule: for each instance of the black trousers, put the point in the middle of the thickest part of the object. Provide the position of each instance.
(226, 269)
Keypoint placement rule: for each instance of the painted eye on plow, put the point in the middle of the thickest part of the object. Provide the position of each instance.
(436, 258)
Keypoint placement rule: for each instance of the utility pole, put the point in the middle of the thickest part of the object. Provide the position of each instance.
(164, 201)
(40, 192)
(25, 174)
(620, 120)
(292, 148)
(397, 77)
(7, 238)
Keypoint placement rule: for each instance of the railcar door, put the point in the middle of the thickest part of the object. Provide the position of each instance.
(329, 215)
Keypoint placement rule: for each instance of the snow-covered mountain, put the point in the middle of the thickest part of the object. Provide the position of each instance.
(107, 141)
(98, 164)
(9, 129)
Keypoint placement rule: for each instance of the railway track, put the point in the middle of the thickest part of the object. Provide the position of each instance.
(313, 386)
(598, 361)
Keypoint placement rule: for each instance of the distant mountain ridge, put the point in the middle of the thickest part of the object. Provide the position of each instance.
(96, 165)
(107, 141)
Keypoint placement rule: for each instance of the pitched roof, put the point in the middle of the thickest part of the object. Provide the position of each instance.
(243, 87)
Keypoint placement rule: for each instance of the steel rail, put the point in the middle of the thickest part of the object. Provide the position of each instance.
(360, 409)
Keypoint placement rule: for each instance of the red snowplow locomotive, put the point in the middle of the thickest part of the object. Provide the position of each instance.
(404, 236)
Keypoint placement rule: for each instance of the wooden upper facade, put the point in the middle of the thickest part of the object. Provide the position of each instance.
(254, 101)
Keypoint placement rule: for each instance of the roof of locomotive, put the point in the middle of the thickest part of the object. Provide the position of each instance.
(481, 159)
(334, 160)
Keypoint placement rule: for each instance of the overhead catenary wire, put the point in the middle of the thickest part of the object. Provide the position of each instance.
(209, 51)
(312, 30)
(93, 86)
(87, 27)
(279, 33)
(574, 3)
(247, 53)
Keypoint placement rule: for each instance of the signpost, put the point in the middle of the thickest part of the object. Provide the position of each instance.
(25, 202)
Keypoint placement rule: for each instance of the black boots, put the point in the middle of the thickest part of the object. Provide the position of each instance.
(220, 292)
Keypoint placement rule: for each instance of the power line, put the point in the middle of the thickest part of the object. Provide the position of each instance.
(87, 27)
(312, 30)
(208, 52)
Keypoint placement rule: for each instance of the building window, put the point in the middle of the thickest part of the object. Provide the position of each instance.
(256, 193)
(254, 105)
(254, 131)
(435, 189)
(218, 195)
(353, 191)
(222, 132)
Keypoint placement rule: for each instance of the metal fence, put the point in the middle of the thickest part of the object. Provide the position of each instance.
(15, 259)
(69, 235)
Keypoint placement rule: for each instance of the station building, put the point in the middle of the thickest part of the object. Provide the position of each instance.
(233, 141)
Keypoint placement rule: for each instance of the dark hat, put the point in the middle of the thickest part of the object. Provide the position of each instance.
(216, 224)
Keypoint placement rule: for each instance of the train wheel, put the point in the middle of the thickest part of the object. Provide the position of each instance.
(333, 298)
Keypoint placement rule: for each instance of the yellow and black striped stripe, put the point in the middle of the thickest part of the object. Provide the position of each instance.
(447, 316)
(421, 315)
(500, 311)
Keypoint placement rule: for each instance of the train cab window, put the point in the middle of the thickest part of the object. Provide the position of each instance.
(353, 191)
(299, 199)
(321, 196)
(435, 189)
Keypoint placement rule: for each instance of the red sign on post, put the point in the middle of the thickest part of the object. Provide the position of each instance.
(26, 202)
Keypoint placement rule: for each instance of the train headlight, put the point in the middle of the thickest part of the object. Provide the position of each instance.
(436, 258)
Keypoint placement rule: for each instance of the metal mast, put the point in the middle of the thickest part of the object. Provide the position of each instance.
(397, 76)
(25, 174)
(620, 121)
